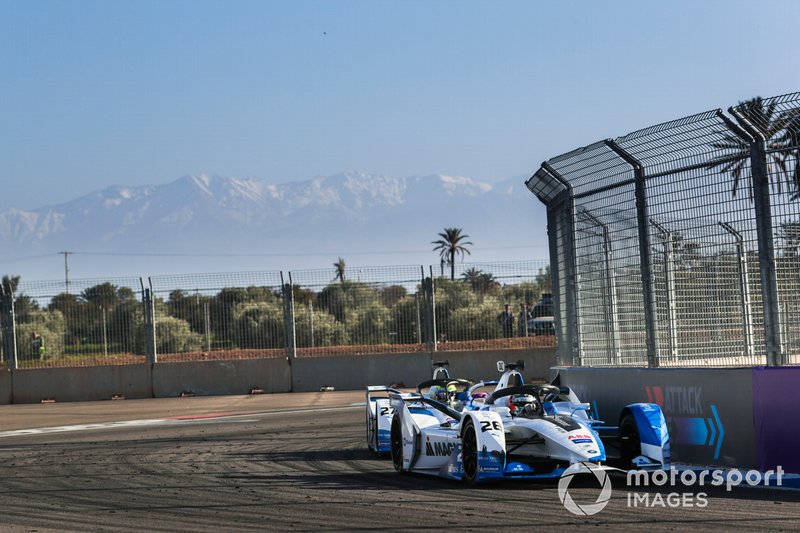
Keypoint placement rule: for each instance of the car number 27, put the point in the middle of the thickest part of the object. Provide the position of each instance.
(387, 411)
(488, 425)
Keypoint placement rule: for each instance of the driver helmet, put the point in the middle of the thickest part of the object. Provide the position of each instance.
(438, 393)
(452, 390)
(517, 402)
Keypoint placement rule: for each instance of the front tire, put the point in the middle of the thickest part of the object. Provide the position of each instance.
(469, 452)
(397, 445)
(630, 444)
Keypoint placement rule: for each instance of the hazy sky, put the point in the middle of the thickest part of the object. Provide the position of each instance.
(111, 92)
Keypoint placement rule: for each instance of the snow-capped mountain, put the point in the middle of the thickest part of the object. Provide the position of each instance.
(345, 213)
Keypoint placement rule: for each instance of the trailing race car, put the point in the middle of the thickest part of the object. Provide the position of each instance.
(520, 431)
(379, 411)
(379, 417)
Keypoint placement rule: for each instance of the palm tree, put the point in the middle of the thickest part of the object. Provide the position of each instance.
(452, 243)
(10, 284)
(473, 277)
(791, 140)
(735, 160)
(340, 266)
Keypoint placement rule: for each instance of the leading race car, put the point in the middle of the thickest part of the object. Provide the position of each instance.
(520, 431)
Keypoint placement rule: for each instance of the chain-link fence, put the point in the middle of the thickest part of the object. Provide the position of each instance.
(358, 310)
(76, 323)
(679, 245)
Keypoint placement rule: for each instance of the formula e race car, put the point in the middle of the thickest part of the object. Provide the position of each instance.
(452, 392)
(520, 431)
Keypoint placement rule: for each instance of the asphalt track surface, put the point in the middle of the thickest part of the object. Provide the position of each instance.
(291, 463)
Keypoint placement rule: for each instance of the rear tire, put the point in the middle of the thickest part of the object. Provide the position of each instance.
(630, 446)
(369, 434)
(397, 445)
(469, 452)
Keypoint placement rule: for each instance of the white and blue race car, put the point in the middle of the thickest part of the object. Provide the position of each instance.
(442, 387)
(520, 431)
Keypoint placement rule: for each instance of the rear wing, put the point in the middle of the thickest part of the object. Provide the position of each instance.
(379, 391)
(381, 388)
(399, 400)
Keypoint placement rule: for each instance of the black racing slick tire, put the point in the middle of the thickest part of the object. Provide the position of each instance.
(630, 445)
(397, 445)
(469, 452)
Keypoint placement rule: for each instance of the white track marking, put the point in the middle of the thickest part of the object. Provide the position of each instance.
(185, 419)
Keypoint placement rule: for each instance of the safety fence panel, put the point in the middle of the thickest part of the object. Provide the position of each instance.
(77, 323)
(358, 310)
(696, 222)
(779, 120)
(608, 295)
(495, 305)
(690, 256)
(228, 315)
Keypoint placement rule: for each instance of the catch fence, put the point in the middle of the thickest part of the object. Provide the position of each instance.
(679, 244)
(356, 310)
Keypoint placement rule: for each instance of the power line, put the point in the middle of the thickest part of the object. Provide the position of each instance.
(287, 254)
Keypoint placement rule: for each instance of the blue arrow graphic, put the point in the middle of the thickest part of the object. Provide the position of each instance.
(721, 430)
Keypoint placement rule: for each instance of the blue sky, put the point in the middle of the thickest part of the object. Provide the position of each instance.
(102, 93)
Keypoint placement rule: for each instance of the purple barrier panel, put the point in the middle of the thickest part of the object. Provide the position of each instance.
(777, 423)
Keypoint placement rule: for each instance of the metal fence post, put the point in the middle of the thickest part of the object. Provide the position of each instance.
(570, 350)
(766, 246)
(669, 276)
(8, 325)
(744, 290)
(288, 318)
(611, 288)
(642, 217)
(429, 306)
(149, 323)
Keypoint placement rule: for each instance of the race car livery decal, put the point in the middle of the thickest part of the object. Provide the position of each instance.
(440, 449)
(489, 425)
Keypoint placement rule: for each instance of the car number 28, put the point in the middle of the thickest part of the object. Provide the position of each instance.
(488, 425)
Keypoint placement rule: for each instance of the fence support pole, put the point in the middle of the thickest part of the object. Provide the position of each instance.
(429, 301)
(642, 218)
(8, 324)
(149, 324)
(669, 276)
(288, 319)
(766, 246)
(573, 343)
(744, 290)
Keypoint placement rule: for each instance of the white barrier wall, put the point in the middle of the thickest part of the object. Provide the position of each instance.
(218, 378)
(82, 383)
(206, 378)
(353, 372)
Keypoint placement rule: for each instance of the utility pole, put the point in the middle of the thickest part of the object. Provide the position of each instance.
(66, 271)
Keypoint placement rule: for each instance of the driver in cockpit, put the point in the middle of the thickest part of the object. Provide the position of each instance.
(526, 405)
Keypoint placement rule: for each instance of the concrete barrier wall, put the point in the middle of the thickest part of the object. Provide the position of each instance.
(211, 378)
(270, 375)
(5, 387)
(478, 366)
(709, 410)
(352, 372)
(80, 384)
